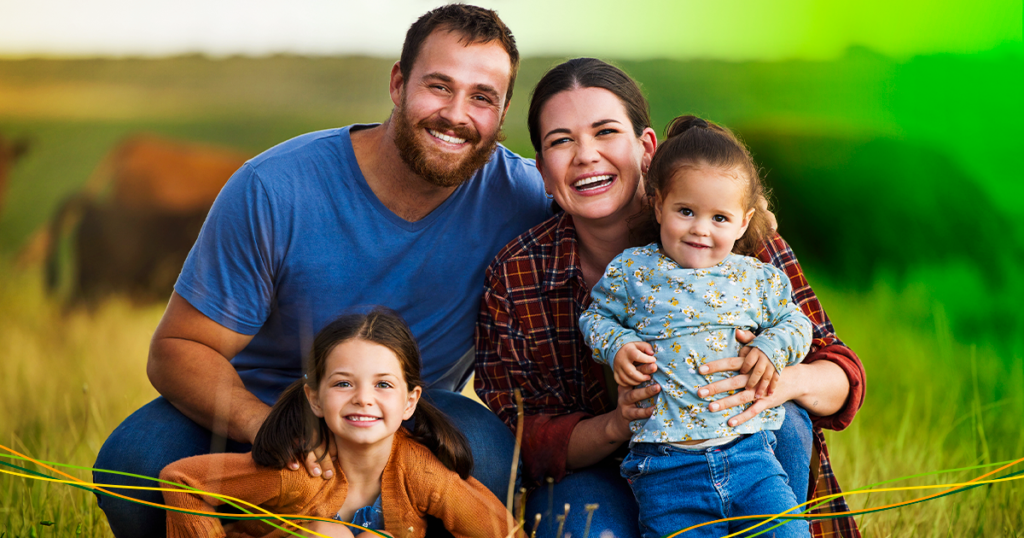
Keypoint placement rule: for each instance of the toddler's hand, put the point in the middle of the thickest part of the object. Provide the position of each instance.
(624, 365)
(762, 374)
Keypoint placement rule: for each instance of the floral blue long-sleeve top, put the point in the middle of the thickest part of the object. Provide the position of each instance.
(689, 316)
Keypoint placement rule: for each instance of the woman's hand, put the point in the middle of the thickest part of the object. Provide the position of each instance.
(785, 389)
(313, 467)
(627, 410)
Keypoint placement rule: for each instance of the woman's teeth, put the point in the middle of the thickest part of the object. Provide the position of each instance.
(446, 138)
(592, 182)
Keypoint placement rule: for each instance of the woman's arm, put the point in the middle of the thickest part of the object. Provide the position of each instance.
(595, 438)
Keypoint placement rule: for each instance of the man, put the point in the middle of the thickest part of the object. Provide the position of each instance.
(405, 214)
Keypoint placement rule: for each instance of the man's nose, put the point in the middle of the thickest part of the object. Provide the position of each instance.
(456, 111)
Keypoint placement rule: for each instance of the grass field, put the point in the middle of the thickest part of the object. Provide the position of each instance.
(940, 332)
(69, 378)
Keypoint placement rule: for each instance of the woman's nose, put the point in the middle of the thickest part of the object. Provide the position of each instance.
(586, 151)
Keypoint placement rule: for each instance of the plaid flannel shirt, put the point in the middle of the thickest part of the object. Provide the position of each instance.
(527, 338)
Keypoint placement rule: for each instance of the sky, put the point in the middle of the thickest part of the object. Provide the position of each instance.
(635, 29)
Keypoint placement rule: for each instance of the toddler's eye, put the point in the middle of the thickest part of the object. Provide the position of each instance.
(686, 212)
(721, 218)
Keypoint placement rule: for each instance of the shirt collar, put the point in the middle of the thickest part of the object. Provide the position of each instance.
(565, 257)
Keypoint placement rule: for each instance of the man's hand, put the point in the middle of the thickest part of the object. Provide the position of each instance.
(625, 364)
(313, 467)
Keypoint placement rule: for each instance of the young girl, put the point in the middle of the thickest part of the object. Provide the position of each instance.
(678, 303)
(362, 381)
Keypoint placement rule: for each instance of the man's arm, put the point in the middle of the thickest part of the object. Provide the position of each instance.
(188, 365)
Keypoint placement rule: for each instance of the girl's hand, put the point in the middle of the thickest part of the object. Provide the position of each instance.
(626, 360)
(761, 374)
(313, 467)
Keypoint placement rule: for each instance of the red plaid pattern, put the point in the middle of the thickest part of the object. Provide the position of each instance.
(527, 338)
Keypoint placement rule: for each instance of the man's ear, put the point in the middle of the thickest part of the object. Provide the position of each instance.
(410, 404)
(397, 84)
(314, 402)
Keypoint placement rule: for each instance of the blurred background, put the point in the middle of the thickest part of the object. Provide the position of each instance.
(892, 134)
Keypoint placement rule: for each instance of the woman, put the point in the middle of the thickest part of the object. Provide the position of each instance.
(590, 126)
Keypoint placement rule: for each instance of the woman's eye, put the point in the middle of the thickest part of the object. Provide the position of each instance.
(559, 141)
(606, 131)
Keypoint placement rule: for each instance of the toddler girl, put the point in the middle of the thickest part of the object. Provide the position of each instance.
(362, 381)
(678, 303)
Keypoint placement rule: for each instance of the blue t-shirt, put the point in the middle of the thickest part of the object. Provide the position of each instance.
(296, 237)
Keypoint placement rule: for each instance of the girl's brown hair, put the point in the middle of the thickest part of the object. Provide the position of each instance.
(694, 142)
(292, 430)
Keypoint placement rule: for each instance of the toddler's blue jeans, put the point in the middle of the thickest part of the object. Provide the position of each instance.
(677, 488)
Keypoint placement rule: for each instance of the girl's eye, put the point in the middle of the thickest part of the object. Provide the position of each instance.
(343, 384)
(721, 218)
(383, 385)
(686, 212)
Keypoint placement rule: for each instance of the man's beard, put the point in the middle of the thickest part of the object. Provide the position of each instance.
(441, 170)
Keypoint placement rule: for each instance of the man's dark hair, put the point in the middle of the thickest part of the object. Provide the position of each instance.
(474, 25)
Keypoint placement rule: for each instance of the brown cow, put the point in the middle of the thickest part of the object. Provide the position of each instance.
(134, 238)
(10, 152)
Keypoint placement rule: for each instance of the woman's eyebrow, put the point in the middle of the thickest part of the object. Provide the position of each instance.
(599, 123)
(560, 130)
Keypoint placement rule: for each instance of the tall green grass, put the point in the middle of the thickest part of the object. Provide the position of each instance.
(68, 378)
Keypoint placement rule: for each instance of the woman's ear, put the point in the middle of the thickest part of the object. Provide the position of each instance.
(650, 142)
(314, 402)
(410, 404)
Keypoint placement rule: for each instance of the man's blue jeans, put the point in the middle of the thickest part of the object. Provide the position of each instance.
(158, 434)
(677, 488)
(617, 508)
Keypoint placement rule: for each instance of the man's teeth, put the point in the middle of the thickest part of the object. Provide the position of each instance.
(361, 419)
(446, 138)
(583, 183)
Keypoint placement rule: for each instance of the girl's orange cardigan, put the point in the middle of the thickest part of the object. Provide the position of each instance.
(414, 484)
